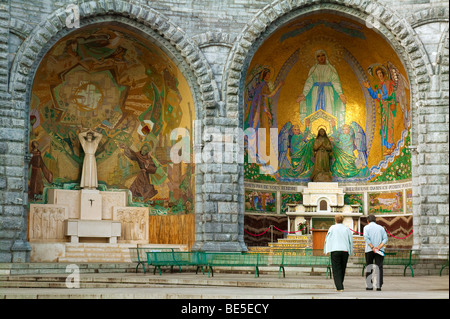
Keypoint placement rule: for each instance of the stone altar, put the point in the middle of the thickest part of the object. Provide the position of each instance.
(76, 228)
(84, 217)
(323, 200)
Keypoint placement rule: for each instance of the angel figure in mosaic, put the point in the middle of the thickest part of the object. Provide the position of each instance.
(294, 150)
(259, 107)
(349, 150)
(390, 93)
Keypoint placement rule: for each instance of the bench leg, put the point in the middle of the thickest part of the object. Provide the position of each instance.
(442, 268)
(210, 271)
(410, 267)
(201, 267)
(143, 267)
(279, 272)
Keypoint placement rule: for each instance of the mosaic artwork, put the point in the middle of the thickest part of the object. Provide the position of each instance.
(120, 85)
(386, 203)
(262, 202)
(409, 201)
(354, 199)
(286, 198)
(345, 79)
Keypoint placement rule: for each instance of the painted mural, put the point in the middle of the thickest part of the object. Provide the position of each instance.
(326, 71)
(120, 85)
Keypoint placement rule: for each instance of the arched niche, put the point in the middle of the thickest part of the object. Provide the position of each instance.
(126, 85)
(371, 137)
(285, 68)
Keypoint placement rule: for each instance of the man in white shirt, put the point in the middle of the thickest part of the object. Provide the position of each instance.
(376, 239)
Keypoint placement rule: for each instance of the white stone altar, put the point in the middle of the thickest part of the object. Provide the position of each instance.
(322, 200)
(82, 217)
(76, 228)
(90, 204)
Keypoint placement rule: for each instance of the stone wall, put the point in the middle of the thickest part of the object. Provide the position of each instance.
(213, 43)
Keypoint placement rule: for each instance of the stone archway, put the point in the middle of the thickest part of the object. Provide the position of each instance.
(152, 24)
(395, 31)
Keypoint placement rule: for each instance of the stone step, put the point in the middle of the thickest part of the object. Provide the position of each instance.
(292, 242)
(93, 252)
(60, 268)
(143, 281)
(423, 268)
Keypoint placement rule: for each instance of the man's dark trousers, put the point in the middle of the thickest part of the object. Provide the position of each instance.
(377, 259)
(338, 265)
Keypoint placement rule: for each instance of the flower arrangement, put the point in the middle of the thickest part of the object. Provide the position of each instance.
(302, 226)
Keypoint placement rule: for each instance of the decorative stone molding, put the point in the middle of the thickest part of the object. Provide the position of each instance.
(46, 222)
(429, 15)
(211, 38)
(134, 222)
(20, 28)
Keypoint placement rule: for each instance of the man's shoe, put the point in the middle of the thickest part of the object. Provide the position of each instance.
(369, 288)
(378, 289)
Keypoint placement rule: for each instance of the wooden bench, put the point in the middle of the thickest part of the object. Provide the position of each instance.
(175, 258)
(405, 257)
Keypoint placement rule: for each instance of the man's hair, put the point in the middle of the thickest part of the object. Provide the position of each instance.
(371, 218)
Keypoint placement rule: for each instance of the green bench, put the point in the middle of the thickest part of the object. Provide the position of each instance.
(301, 258)
(287, 258)
(234, 259)
(139, 255)
(175, 258)
(405, 257)
(444, 265)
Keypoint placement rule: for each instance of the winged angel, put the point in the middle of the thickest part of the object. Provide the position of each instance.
(390, 93)
(348, 140)
(294, 151)
(260, 109)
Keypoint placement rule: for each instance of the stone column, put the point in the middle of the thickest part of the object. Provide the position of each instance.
(219, 188)
(13, 164)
